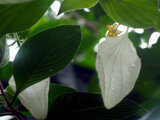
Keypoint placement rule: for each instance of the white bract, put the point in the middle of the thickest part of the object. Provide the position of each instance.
(118, 67)
(34, 98)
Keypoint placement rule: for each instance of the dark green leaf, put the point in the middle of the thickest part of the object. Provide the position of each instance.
(18, 17)
(6, 71)
(101, 16)
(135, 38)
(135, 13)
(3, 110)
(151, 56)
(13, 1)
(4, 52)
(26, 113)
(68, 5)
(147, 85)
(44, 54)
(85, 106)
(57, 90)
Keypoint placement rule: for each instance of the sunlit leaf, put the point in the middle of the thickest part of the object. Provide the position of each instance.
(68, 5)
(18, 17)
(135, 13)
(13, 1)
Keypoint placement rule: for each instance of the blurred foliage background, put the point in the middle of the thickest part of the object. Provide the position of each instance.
(81, 74)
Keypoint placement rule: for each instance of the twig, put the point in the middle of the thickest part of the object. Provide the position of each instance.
(18, 116)
(14, 98)
(17, 39)
(92, 26)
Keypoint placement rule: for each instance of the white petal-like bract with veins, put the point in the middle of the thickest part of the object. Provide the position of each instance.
(118, 67)
(35, 97)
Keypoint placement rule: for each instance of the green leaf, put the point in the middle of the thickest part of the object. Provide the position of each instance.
(88, 40)
(10, 94)
(93, 86)
(87, 59)
(13, 1)
(44, 54)
(57, 90)
(44, 23)
(147, 85)
(151, 56)
(4, 52)
(135, 13)
(6, 71)
(135, 38)
(85, 106)
(69, 5)
(18, 17)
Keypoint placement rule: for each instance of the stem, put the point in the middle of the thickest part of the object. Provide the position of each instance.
(12, 43)
(14, 98)
(17, 37)
(18, 116)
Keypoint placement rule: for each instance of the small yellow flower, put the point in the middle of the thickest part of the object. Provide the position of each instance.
(113, 32)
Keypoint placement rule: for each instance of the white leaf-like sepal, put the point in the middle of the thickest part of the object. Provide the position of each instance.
(34, 98)
(118, 67)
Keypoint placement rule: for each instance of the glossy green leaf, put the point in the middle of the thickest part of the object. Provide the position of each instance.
(57, 90)
(69, 5)
(18, 17)
(44, 54)
(135, 13)
(13, 1)
(85, 106)
(4, 52)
